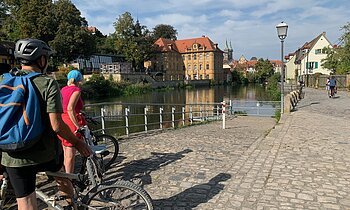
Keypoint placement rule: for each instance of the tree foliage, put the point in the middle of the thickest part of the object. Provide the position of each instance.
(164, 31)
(264, 70)
(273, 87)
(60, 24)
(3, 14)
(29, 18)
(338, 59)
(72, 37)
(133, 40)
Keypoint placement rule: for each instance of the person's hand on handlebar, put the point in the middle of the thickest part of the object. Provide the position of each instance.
(83, 148)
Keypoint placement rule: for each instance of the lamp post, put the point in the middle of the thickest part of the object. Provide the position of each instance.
(282, 34)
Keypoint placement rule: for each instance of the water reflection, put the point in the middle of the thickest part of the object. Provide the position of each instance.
(244, 99)
(199, 95)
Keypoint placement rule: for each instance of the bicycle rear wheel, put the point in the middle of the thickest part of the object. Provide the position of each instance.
(120, 195)
(112, 147)
(7, 195)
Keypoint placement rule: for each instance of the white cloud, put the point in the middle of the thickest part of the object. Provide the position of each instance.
(249, 24)
(230, 14)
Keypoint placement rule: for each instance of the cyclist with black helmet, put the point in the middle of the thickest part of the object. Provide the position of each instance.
(46, 154)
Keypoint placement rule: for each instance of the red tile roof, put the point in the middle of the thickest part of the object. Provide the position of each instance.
(92, 29)
(165, 44)
(182, 46)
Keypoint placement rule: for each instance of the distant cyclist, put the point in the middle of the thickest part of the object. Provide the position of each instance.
(332, 86)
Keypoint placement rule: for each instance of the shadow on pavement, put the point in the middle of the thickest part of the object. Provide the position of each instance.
(192, 197)
(139, 170)
(310, 104)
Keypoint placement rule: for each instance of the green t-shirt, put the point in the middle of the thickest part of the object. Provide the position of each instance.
(46, 148)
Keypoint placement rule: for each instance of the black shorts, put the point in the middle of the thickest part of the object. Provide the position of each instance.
(23, 179)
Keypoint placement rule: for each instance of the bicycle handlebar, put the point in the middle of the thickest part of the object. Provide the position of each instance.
(89, 119)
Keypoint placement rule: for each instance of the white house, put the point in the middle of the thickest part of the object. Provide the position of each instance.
(94, 62)
(308, 58)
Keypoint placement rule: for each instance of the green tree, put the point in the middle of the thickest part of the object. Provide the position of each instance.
(72, 36)
(264, 70)
(331, 61)
(3, 15)
(273, 87)
(29, 18)
(59, 23)
(164, 31)
(338, 59)
(106, 45)
(132, 40)
(251, 77)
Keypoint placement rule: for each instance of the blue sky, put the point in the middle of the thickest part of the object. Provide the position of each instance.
(250, 25)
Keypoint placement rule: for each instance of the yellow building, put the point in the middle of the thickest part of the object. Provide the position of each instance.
(187, 59)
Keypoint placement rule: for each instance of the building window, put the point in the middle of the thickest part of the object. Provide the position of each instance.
(189, 57)
(195, 67)
(312, 65)
(189, 67)
(207, 55)
(201, 76)
(207, 76)
(207, 66)
(200, 56)
(195, 56)
(200, 66)
(318, 51)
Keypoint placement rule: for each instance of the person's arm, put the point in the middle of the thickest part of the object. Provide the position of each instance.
(71, 108)
(63, 130)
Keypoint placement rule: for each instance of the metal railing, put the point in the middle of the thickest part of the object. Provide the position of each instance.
(124, 119)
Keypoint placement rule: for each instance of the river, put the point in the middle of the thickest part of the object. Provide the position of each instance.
(175, 107)
(214, 94)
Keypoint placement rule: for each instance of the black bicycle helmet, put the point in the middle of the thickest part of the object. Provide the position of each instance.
(31, 49)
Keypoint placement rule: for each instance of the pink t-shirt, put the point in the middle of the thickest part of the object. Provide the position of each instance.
(67, 92)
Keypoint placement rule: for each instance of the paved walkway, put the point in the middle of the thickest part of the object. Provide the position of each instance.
(303, 162)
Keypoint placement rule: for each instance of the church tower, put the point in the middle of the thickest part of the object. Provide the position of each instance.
(228, 53)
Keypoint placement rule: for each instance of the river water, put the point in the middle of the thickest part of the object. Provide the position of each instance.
(250, 100)
(214, 94)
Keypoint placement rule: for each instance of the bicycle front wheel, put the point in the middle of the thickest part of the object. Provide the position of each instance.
(112, 147)
(120, 195)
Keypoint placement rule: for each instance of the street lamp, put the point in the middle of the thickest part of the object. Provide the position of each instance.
(282, 34)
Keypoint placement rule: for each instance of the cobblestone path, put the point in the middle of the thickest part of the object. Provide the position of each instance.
(303, 162)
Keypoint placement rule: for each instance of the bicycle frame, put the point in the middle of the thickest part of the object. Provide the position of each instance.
(51, 201)
(78, 181)
(93, 166)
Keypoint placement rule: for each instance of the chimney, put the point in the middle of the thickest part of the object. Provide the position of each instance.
(216, 46)
(203, 35)
(170, 46)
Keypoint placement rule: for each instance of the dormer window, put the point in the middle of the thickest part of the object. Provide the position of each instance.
(195, 46)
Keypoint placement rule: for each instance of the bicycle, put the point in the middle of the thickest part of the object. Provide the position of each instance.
(97, 164)
(119, 195)
(109, 142)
